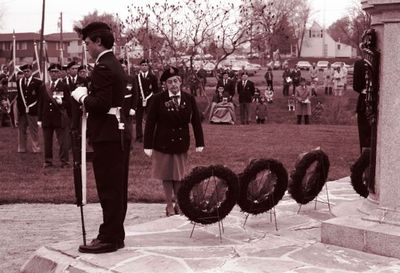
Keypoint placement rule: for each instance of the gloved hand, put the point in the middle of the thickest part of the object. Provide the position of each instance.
(132, 112)
(79, 94)
(39, 123)
(148, 152)
(199, 149)
(58, 100)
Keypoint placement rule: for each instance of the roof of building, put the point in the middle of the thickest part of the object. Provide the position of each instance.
(33, 36)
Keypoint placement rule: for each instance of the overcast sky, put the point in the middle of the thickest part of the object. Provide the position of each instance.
(25, 15)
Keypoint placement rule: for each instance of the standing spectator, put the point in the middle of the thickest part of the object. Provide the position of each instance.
(167, 138)
(246, 90)
(344, 73)
(303, 103)
(72, 71)
(337, 82)
(202, 76)
(314, 78)
(261, 111)
(328, 79)
(287, 80)
(269, 78)
(146, 85)
(295, 75)
(28, 94)
(53, 118)
(106, 132)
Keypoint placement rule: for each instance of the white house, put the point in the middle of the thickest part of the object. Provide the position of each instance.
(318, 43)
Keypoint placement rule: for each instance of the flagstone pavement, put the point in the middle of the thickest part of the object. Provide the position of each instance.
(291, 244)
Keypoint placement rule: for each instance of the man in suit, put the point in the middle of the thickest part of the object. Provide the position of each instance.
(146, 84)
(364, 127)
(245, 89)
(228, 84)
(108, 135)
(29, 89)
(53, 117)
(166, 135)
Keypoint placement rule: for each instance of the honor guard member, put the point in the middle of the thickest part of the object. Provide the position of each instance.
(107, 134)
(130, 97)
(364, 127)
(53, 117)
(166, 136)
(28, 94)
(146, 85)
(72, 70)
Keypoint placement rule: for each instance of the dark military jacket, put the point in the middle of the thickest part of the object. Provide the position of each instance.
(149, 85)
(50, 113)
(28, 91)
(246, 92)
(107, 89)
(167, 125)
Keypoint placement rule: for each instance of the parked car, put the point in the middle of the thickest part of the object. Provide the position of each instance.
(322, 65)
(275, 65)
(350, 68)
(252, 68)
(303, 65)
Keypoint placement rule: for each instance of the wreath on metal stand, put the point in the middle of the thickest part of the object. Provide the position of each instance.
(258, 195)
(304, 189)
(192, 196)
(359, 174)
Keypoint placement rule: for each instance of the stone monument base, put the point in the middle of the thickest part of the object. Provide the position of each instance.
(362, 232)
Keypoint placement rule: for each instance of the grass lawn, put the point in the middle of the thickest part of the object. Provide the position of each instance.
(24, 180)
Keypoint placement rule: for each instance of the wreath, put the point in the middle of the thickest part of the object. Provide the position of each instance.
(359, 174)
(258, 195)
(304, 189)
(220, 182)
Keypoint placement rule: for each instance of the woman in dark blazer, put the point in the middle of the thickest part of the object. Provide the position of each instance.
(166, 136)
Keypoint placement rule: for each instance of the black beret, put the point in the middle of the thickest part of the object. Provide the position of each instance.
(168, 73)
(54, 67)
(145, 61)
(64, 67)
(25, 66)
(71, 64)
(94, 27)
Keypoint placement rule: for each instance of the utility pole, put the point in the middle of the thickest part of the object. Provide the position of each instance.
(42, 37)
(61, 40)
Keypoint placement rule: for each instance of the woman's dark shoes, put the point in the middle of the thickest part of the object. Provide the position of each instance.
(97, 246)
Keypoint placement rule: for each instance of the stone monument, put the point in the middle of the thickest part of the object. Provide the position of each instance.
(376, 228)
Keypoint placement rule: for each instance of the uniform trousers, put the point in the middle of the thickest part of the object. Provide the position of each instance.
(25, 122)
(244, 112)
(139, 119)
(63, 143)
(364, 131)
(111, 166)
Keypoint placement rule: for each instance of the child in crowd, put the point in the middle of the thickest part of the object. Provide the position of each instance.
(261, 111)
(257, 95)
(317, 111)
(269, 94)
(291, 103)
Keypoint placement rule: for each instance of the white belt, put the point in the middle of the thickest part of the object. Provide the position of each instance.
(128, 96)
(113, 111)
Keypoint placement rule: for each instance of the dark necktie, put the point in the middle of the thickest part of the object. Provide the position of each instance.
(224, 82)
(175, 99)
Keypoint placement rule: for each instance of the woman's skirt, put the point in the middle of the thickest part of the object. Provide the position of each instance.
(168, 166)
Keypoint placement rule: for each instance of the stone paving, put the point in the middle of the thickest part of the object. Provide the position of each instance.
(165, 245)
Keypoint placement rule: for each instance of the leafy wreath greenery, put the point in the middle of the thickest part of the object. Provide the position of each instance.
(208, 212)
(265, 200)
(357, 174)
(316, 181)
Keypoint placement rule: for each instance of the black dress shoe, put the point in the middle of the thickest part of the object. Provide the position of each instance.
(120, 244)
(96, 246)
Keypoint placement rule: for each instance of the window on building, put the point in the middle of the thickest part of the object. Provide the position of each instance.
(309, 33)
(338, 46)
(322, 33)
(22, 45)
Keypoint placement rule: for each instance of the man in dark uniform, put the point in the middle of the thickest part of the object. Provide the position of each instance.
(107, 134)
(28, 92)
(72, 70)
(130, 96)
(53, 117)
(364, 127)
(146, 84)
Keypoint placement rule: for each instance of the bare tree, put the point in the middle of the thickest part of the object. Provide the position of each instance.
(299, 20)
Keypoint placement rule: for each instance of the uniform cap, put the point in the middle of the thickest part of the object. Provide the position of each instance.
(168, 73)
(54, 67)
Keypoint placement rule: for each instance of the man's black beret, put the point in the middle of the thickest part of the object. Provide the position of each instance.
(168, 73)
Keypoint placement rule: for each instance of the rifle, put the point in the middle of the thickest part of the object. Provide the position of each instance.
(78, 143)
